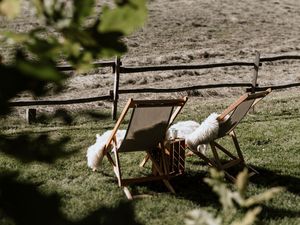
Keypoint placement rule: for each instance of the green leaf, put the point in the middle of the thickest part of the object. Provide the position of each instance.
(126, 18)
(201, 217)
(40, 70)
(14, 38)
(54, 13)
(10, 8)
(242, 182)
(38, 6)
(249, 218)
(263, 197)
(82, 9)
(83, 46)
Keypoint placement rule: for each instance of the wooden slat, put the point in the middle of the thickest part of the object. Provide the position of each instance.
(206, 159)
(95, 64)
(278, 87)
(59, 102)
(224, 150)
(170, 90)
(117, 169)
(255, 73)
(281, 57)
(158, 103)
(232, 106)
(216, 155)
(177, 110)
(138, 69)
(231, 163)
(237, 146)
(160, 172)
(118, 123)
(116, 88)
(259, 94)
(144, 161)
(128, 181)
(127, 193)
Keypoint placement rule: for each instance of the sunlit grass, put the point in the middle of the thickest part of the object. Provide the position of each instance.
(269, 138)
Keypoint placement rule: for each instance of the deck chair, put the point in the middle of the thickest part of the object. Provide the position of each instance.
(146, 131)
(228, 120)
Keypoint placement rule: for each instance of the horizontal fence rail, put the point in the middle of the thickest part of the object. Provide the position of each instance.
(168, 90)
(65, 68)
(60, 102)
(139, 69)
(278, 87)
(118, 69)
(278, 58)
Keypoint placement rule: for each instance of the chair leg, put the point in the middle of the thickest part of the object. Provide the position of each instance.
(216, 155)
(144, 161)
(205, 159)
(235, 159)
(229, 176)
(166, 182)
(240, 154)
(224, 150)
(127, 193)
(117, 169)
(237, 146)
(110, 159)
(164, 159)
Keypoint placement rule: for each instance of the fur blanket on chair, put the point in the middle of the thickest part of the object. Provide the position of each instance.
(197, 137)
(95, 152)
(206, 132)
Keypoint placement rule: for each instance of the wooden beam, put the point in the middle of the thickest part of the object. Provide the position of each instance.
(255, 71)
(30, 115)
(116, 88)
(281, 57)
(59, 102)
(138, 69)
(278, 87)
(64, 68)
(169, 90)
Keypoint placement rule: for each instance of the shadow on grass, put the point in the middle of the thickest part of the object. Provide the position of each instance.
(277, 213)
(65, 117)
(23, 203)
(97, 115)
(269, 178)
(40, 148)
(192, 187)
(189, 186)
(266, 178)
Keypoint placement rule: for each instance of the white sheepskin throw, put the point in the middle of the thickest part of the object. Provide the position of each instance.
(95, 152)
(184, 128)
(196, 135)
(206, 132)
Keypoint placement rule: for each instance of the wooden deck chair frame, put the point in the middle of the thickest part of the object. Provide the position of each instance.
(237, 157)
(177, 105)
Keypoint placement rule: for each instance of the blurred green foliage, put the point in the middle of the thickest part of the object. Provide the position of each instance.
(69, 31)
(231, 201)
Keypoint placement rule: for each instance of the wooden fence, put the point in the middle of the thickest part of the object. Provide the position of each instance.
(118, 69)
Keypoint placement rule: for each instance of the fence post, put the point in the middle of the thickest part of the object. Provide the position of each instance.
(30, 115)
(116, 87)
(255, 73)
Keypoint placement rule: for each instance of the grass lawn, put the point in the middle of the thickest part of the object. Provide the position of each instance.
(269, 138)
